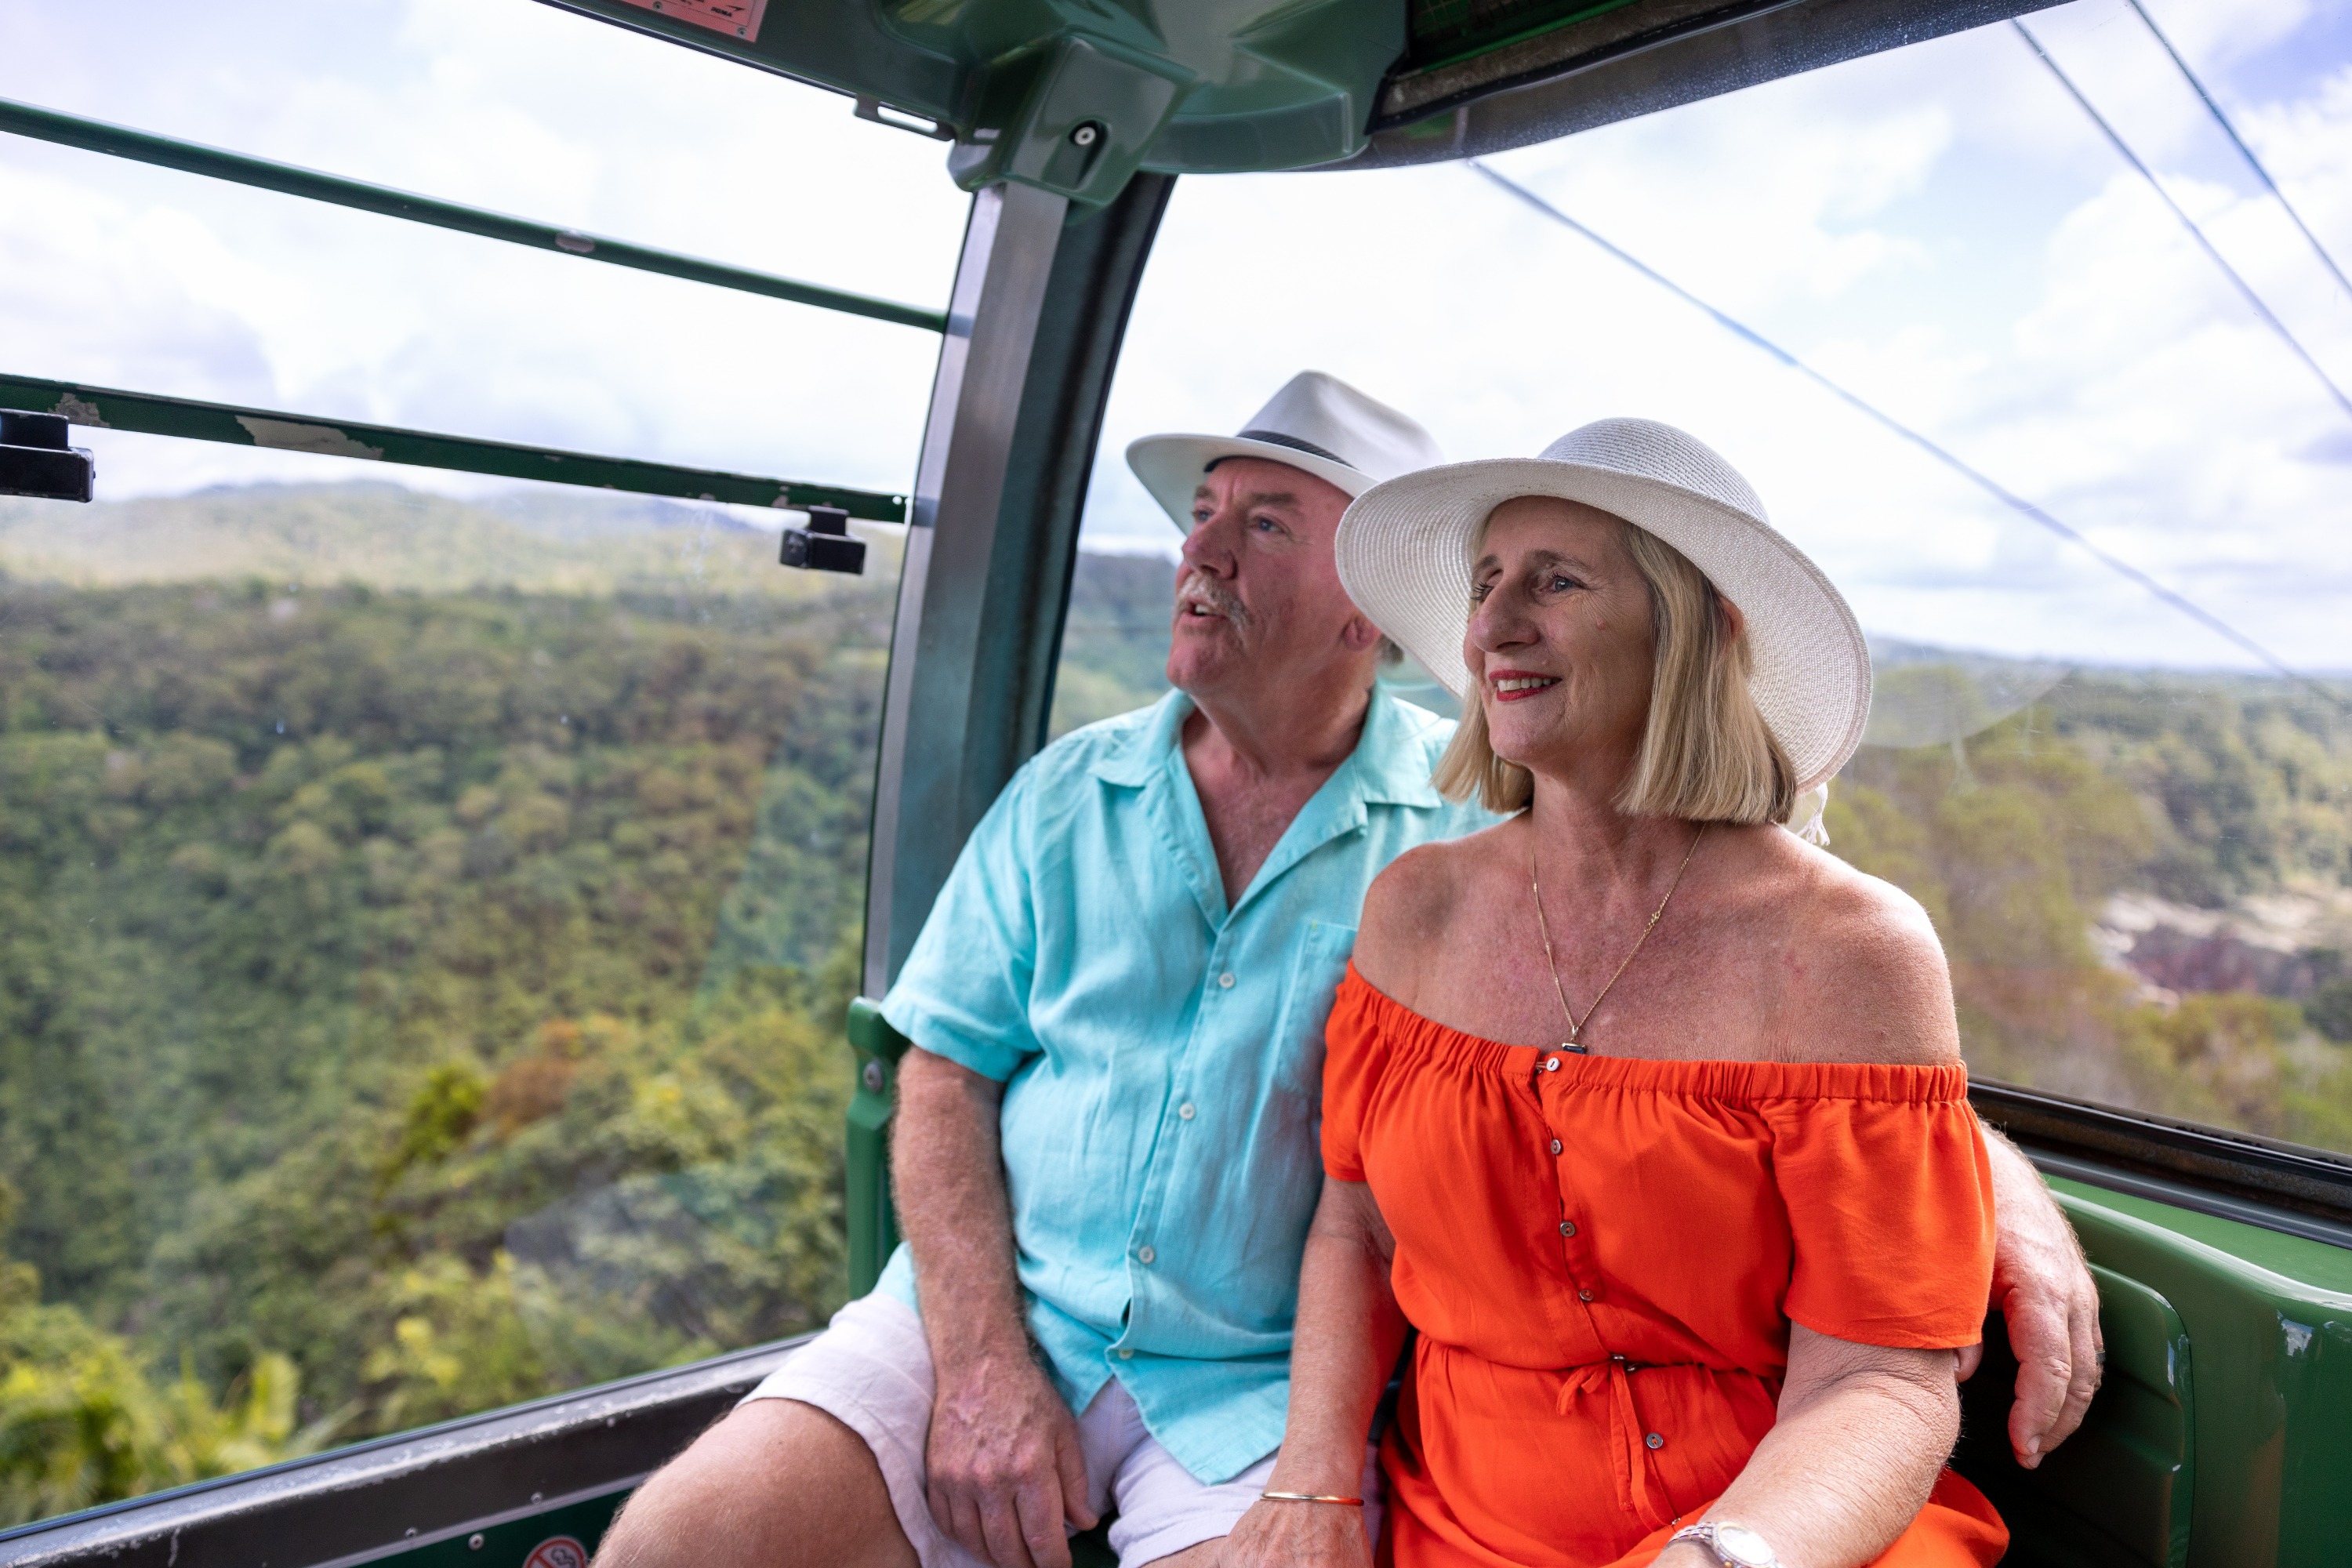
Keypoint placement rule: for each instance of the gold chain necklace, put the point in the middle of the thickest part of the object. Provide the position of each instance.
(1575, 1025)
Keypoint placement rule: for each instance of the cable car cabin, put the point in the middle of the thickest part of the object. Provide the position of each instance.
(422, 1052)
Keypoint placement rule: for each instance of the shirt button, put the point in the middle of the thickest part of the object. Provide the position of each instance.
(1555, 1145)
(1126, 1353)
(1551, 1064)
(1226, 980)
(1654, 1441)
(1186, 1111)
(1580, 1294)
(1145, 1254)
(1568, 1228)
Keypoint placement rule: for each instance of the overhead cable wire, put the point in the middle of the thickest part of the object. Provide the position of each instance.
(1926, 444)
(2213, 107)
(2123, 150)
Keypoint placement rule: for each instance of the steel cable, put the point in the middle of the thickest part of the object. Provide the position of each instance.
(2246, 289)
(2213, 107)
(1942, 454)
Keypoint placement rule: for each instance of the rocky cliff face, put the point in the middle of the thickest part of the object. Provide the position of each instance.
(2287, 945)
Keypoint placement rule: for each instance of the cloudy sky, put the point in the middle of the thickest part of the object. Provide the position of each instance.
(1939, 228)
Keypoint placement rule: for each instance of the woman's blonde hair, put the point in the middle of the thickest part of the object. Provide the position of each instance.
(1706, 753)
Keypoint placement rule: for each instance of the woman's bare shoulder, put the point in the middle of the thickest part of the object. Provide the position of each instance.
(1868, 978)
(1411, 903)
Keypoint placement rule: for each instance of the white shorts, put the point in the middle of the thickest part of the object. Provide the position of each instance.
(871, 1371)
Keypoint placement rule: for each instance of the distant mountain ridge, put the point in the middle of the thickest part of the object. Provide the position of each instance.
(389, 536)
(582, 541)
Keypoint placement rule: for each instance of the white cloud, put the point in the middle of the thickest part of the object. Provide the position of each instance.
(141, 278)
(1937, 228)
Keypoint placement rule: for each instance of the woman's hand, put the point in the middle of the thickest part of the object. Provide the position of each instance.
(1347, 1337)
(1687, 1554)
(1863, 1431)
(1276, 1534)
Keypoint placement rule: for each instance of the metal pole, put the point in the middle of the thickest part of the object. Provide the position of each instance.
(1040, 306)
(147, 414)
(215, 163)
(999, 288)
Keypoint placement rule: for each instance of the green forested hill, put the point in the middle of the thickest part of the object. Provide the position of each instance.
(422, 935)
(425, 927)
(332, 942)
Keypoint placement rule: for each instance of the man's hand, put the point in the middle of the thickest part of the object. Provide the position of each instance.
(1277, 1534)
(1004, 1465)
(2042, 1289)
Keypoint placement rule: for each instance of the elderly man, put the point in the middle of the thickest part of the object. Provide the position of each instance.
(1106, 1157)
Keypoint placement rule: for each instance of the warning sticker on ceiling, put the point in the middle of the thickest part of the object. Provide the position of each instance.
(736, 18)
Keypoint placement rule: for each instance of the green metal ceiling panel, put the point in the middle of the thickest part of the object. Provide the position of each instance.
(1074, 96)
(1177, 86)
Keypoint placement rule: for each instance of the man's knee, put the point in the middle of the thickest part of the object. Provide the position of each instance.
(776, 1481)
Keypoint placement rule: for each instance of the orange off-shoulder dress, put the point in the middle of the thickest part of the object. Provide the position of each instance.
(1603, 1255)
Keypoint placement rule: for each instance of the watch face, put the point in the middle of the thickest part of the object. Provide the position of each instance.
(1737, 1543)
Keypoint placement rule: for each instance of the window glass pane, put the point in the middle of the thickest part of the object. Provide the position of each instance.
(2134, 837)
(427, 904)
(129, 275)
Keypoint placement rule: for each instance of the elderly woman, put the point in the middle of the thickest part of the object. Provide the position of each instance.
(1646, 1114)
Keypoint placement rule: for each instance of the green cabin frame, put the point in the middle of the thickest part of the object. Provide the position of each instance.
(2223, 1435)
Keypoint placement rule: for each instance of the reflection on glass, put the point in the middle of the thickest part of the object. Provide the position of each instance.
(2140, 877)
(1936, 697)
(424, 933)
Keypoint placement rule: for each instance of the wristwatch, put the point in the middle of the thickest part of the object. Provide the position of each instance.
(1734, 1545)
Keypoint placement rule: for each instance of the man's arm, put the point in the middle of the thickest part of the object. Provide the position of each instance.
(2043, 1292)
(1002, 1464)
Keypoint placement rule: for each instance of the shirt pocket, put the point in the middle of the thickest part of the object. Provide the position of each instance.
(1319, 965)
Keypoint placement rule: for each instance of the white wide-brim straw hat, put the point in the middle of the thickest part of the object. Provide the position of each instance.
(1404, 557)
(1317, 423)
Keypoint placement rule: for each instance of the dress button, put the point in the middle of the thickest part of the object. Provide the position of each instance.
(1185, 1111)
(1654, 1441)
(1568, 1228)
(1126, 1353)
(1580, 1294)
(1555, 1145)
(1226, 980)
(1144, 1254)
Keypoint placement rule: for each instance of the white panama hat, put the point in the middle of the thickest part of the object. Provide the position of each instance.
(1317, 423)
(1405, 558)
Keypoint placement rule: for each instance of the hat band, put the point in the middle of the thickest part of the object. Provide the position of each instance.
(1277, 439)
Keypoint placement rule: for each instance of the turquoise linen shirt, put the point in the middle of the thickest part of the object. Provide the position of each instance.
(1162, 1055)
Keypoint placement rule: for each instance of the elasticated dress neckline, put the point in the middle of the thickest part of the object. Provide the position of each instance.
(1602, 1256)
(1702, 1078)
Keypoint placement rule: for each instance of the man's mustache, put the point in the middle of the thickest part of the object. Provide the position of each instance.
(1197, 588)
